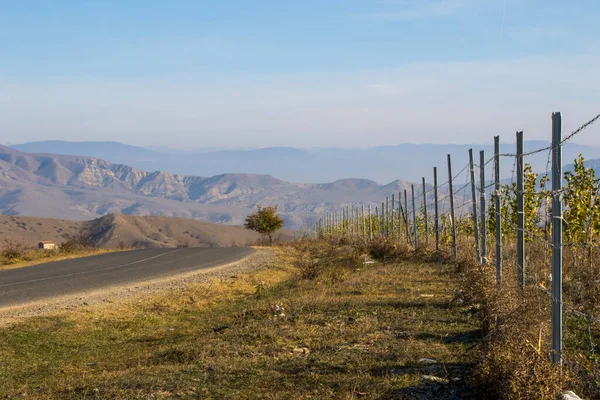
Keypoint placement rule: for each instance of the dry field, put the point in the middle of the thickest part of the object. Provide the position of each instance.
(350, 330)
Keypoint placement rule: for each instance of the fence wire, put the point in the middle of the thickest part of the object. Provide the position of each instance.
(581, 278)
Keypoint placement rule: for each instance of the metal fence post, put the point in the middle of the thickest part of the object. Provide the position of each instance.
(393, 230)
(335, 223)
(335, 226)
(436, 211)
(556, 239)
(399, 220)
(425, 214)
(408, 238)
(474, 200)
(356, 217)
(387, 216)
(348, 221)
(378, 220)
(332, 223)
(415, 231)
(382, 220)
(520, 213)
(370, 225)
(454, 252)
(345, 224)
(333, 220)
(497, 206)
(352, 221)
(356, 221)
(362, 215)
(482, 219)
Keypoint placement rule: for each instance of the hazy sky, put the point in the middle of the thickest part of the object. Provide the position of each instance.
(239, 73)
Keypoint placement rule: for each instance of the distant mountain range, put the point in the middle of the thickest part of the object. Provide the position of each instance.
(79, 187)
(408, 162)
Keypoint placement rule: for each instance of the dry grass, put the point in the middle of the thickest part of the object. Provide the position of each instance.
(516, 357)
(514, 360)
(34, 257)
(356, 334)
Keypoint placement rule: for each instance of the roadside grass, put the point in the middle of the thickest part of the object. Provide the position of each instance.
(16, 255)
(264, 334)
(31, 257)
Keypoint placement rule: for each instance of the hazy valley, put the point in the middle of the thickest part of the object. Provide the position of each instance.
(383, 164)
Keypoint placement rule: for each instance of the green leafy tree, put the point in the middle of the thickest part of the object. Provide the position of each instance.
(265, 221)
(508, 205)
(582, 211)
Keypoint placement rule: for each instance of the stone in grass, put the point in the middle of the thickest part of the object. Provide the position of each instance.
(436, 379)
(427, 361)
(278, 310)
(301, 350)
(568, 395)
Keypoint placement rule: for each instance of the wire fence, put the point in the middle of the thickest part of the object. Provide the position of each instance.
(550, 236)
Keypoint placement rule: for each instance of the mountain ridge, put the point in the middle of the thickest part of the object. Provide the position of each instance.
(76, 187)
(381, 164)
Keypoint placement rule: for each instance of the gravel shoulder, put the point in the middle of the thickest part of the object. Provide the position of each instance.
(108, 296)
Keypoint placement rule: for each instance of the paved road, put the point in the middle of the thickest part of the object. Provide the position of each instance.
(23, 285)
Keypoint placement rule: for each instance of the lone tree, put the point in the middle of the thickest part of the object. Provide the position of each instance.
(264, 221)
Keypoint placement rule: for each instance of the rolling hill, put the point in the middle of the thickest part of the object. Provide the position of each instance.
(115, 230)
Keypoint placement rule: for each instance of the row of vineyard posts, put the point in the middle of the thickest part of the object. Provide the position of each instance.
(517, 213)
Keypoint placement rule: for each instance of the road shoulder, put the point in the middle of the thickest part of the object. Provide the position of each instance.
(111, 295)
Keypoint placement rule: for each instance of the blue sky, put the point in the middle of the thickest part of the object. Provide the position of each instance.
(299, 73)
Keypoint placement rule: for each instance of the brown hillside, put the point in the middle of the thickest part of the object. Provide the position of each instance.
(30, 230)
(115, 230)
(136, 231)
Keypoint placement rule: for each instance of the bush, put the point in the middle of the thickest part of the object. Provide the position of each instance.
(78, 242)
(264, 221)
(12, 251)
(328, 259)
(382, 249)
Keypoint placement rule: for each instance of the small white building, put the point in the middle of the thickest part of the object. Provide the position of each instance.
(46, 245)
